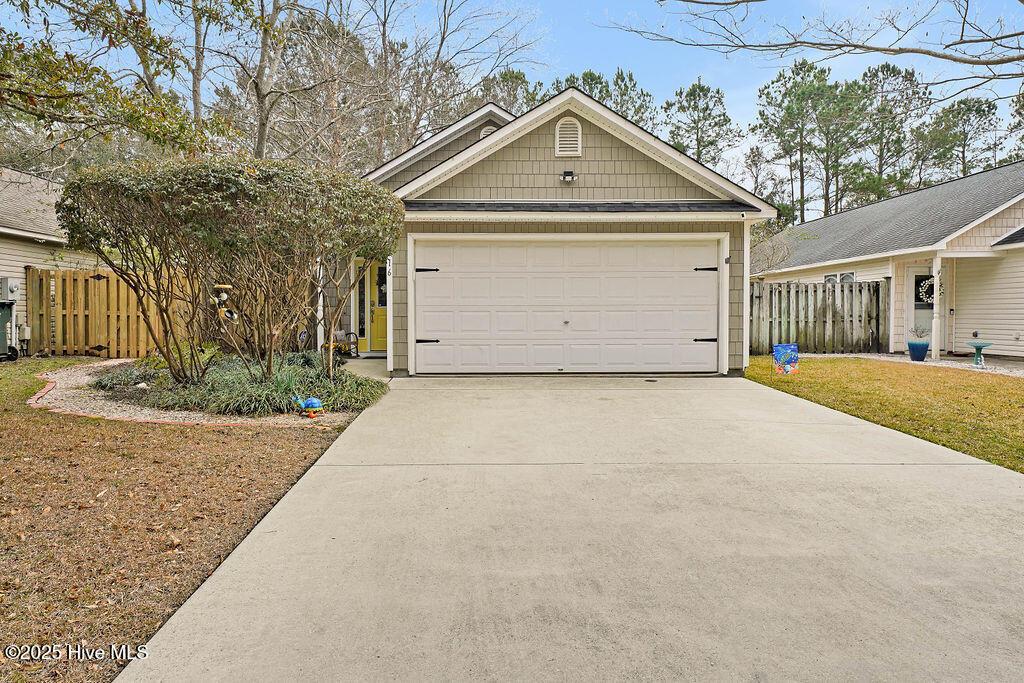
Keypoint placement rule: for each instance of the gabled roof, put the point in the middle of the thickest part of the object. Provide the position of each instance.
(584, 105)
(917, 221)
(416, 152)
(27, 206)
(1014, 239)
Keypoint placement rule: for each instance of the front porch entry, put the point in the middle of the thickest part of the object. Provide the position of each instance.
(919, 311)
(370, 312)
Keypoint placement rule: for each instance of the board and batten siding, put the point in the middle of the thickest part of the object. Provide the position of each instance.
(399, 277)
(527, 169)
(990, 299)
(435, 157)
(17, 253)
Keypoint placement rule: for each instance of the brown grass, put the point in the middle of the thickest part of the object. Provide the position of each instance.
(107, 527)
(979, 414)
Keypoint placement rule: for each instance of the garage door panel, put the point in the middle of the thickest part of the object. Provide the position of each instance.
(586, 256)
(547, 289)
(510, 256)
(473, 289)
(551, 322)
(511, 290)
(566, 307)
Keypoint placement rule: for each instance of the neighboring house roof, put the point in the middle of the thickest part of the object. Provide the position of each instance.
(583, 105)
(685, 205)
(917, 220)
(489, 111)
(27, 206)
(1013, 239)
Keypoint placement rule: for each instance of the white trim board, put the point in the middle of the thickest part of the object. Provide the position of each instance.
(722, 238)
(33, 236)
(416, 152)
(852, 259)
(571, 216)
(603, 117)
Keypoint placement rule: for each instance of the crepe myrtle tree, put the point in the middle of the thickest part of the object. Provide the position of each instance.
(174, 230)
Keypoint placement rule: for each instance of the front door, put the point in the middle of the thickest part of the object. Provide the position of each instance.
(377, 290)
(919, 311)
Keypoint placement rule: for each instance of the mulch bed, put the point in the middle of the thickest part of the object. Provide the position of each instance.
(107, 527)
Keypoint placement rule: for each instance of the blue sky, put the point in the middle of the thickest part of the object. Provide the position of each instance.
(573, 37)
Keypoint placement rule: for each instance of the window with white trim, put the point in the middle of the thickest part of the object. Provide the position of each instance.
(568, 137)
(834, 278)
(487, 130)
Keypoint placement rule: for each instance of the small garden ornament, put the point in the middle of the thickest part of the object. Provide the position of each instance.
(310, 407)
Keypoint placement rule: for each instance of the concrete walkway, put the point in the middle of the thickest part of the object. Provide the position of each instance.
(611, 528)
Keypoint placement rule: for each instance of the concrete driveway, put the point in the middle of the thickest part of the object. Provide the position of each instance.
(592, 528)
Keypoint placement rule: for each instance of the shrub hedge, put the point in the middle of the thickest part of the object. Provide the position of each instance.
(228, 388)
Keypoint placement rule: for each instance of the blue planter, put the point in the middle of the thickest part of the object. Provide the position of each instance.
(918, 350)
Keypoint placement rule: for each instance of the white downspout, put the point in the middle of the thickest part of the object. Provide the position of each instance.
(936, 307)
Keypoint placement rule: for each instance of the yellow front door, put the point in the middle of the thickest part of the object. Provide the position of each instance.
(377, 292)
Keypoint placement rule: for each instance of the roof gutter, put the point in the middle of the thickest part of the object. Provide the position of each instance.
(34, 236)
(571, 216)
(852, 259)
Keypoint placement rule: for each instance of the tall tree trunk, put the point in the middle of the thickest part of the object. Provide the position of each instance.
(198, 65)
(803, 178)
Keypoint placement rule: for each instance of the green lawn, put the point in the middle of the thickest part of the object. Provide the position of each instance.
(979, 414)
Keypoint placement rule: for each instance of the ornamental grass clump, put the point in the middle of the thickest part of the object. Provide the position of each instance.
(228, 388)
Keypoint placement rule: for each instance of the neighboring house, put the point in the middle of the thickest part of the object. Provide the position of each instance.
(970, 230)
(564, 240)
(29, 235)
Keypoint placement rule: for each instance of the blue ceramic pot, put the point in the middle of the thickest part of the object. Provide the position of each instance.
(918, 350)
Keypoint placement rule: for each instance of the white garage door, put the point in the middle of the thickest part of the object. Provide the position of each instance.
(573, 306)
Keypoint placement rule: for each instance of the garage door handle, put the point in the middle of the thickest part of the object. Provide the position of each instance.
(428, 341)
(428, 270)
(713, 269)
(706, 339)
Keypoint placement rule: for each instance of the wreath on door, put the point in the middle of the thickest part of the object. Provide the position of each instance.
(927, 290)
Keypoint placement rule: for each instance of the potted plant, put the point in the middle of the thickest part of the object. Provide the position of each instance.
(918, 346)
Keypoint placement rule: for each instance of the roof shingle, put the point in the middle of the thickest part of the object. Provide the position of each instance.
(913, 220)
(1015, 237)
(27, 204)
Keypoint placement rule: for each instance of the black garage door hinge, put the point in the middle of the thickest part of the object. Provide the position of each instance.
(708, 268)
(428, 341)
(428, 270)
(706, 339)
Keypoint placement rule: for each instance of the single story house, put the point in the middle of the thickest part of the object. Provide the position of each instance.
(564, 240)
(29, 235)
(970, 231)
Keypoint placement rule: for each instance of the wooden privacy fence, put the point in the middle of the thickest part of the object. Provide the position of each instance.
(849, 317)
(84, 312)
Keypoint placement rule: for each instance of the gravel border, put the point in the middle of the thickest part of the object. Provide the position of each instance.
(67, 391)
(942, 363)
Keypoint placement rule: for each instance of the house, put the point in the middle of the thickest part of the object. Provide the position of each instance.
(29, 236)
(564, 240)
(970, 231)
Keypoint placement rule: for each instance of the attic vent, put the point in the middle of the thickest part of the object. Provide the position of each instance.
(568, 138)
(487, 130)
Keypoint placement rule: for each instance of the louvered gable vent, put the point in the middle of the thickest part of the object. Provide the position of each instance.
(568, 138)
(487, 130)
